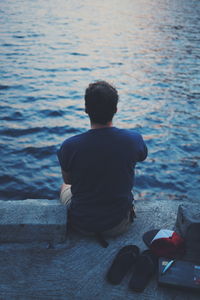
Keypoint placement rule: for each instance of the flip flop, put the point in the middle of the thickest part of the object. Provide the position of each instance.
(122, 263)
(145, 268)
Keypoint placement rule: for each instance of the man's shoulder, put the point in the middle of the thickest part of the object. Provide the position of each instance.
(72, 140)
(128, 133)
(130, 138)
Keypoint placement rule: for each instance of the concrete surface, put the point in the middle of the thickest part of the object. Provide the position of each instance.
(32, 220)
(76, 269)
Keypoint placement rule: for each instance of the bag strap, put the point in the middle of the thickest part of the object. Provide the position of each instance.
(132, 213)
(100, 238)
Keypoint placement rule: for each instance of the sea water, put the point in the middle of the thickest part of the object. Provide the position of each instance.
(51, 50)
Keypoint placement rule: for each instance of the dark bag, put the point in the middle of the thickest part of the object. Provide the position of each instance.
(188, 226)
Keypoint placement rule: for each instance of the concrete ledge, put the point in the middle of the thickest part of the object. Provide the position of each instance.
(76, 269)
(32, 220)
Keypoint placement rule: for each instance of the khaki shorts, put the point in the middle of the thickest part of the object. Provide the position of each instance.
(122, 227)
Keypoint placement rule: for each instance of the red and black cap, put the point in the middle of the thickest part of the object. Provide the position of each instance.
(165, 243)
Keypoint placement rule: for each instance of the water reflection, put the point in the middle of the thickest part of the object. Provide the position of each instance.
(51, 50)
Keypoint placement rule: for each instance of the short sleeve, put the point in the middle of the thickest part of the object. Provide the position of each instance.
(63, 157)
(142, 151)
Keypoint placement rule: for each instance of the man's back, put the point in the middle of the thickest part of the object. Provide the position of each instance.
(101, 166)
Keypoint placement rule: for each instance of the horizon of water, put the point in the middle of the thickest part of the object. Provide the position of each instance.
(51, 50)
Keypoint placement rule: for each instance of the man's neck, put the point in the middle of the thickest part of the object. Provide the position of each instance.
(99, 126)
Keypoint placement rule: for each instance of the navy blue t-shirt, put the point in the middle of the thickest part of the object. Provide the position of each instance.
(101, 166)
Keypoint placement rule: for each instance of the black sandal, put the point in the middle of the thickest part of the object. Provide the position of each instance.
(144, 269)
(122, 263)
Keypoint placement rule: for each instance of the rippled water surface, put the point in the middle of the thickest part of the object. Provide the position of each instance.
(50, 51)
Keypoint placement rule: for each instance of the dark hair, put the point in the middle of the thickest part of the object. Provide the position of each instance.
(101, 100)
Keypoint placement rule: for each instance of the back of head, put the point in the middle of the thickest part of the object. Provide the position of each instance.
(101, 100)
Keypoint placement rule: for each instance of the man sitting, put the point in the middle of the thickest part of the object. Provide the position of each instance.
(98, 167)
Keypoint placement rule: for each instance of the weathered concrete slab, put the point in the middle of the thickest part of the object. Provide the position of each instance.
(77, 268)
(32, 220)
